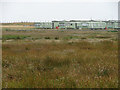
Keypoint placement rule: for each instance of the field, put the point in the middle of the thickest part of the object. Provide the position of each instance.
(59, 58)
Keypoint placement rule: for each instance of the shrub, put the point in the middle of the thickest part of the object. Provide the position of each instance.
(47, 37)
(27, 48)
(56, 38)
(83, 38)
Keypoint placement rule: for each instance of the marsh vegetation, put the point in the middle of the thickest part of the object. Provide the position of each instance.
(60, 59)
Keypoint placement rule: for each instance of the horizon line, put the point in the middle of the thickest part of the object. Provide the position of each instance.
(56, 20)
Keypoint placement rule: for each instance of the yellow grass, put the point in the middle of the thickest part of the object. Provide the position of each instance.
(60, 65)
(77, 59)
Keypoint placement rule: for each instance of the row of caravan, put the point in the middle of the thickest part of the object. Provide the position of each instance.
(73, 24)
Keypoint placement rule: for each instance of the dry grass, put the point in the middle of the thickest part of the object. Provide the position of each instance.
(62, 59)
(60, 65)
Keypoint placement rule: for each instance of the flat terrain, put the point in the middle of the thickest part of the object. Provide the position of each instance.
(59, 58)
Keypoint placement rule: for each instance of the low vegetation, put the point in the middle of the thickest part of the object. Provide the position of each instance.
(75, 65)
(47, 37)
(8, 37)
(60, 59)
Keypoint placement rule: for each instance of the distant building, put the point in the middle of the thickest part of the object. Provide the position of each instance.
(78, 24)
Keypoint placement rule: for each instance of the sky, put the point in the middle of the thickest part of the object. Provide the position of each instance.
(48, 10)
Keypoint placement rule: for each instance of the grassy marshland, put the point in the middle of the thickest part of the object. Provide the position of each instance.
(65, 64)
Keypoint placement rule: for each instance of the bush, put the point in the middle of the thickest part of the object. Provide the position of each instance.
(27, 48)
(47, 37)
(56, 38)
(83, 38)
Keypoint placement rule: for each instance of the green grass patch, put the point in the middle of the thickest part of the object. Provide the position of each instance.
(16, 37)
(112, 31)
(71, 37)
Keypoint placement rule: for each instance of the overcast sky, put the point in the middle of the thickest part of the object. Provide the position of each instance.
(48, 10)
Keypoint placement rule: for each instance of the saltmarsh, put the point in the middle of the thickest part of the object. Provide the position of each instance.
(65, 64)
